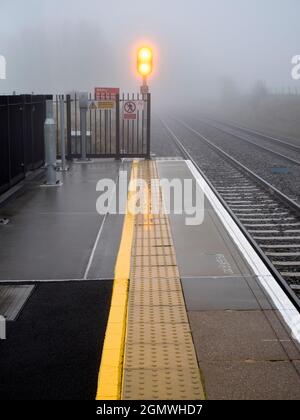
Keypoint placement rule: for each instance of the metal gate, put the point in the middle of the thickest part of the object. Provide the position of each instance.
(109, 132)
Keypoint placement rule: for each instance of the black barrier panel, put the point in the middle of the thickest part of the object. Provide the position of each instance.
(16, 137)
(110, 132)
(22, 120)
(28, 149)
(38, 118)
(4, 145)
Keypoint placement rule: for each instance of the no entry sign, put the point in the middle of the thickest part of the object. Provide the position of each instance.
(102, 93)
(130, 109)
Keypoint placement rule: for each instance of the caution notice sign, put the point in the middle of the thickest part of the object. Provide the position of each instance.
(102, 105)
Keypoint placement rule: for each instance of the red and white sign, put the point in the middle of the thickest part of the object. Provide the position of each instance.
(102, 93)
(130, 109)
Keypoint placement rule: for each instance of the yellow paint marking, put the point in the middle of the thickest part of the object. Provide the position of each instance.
(111, 367)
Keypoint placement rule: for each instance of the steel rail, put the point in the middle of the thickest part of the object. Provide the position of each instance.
(240, 137)
(230, 124)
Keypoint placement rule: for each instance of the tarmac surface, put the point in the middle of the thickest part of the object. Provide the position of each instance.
(53, 350)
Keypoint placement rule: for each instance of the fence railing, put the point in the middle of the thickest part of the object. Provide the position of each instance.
(22, 120)
(108, 134)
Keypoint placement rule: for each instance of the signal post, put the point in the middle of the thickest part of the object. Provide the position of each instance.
(144, 68)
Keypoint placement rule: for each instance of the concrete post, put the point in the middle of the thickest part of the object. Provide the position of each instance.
(50, 145)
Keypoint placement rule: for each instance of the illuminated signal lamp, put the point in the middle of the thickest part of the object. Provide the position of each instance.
(144, 66)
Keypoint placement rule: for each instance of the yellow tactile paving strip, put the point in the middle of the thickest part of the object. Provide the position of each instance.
(111, 367)
(160, 359)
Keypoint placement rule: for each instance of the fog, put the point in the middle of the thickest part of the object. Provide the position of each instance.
(60, 45)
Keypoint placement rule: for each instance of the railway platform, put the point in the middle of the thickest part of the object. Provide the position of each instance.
(138, 306)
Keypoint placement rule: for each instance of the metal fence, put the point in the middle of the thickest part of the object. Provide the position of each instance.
(21, 136)
(134, 135)
(108, 133)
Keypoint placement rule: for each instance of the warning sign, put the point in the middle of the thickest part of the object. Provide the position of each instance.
(130, 109)
(104, 105)
(93, 105)
(102, 93)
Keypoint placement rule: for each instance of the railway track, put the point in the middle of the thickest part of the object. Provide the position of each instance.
(279, 148)
(269, 219)
(274, 161)
(286, 145)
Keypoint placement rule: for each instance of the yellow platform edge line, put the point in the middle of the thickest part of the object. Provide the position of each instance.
(111, 366)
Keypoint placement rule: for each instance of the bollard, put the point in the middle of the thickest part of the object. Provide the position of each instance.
(83, 132)
(2, 328)
(83, 104)
(62, 133)
(50, 145)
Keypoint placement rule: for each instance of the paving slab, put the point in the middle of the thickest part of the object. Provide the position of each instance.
(234, 336)
(284, 334)
(250, 380)
(218, 293)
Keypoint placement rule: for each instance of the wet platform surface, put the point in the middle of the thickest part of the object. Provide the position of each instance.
(53, 348)
(244, 348)
(52, 230)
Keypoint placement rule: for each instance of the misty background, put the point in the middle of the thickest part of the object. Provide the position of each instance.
(204, 50)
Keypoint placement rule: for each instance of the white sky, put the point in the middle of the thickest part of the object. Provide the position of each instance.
(58, 45)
